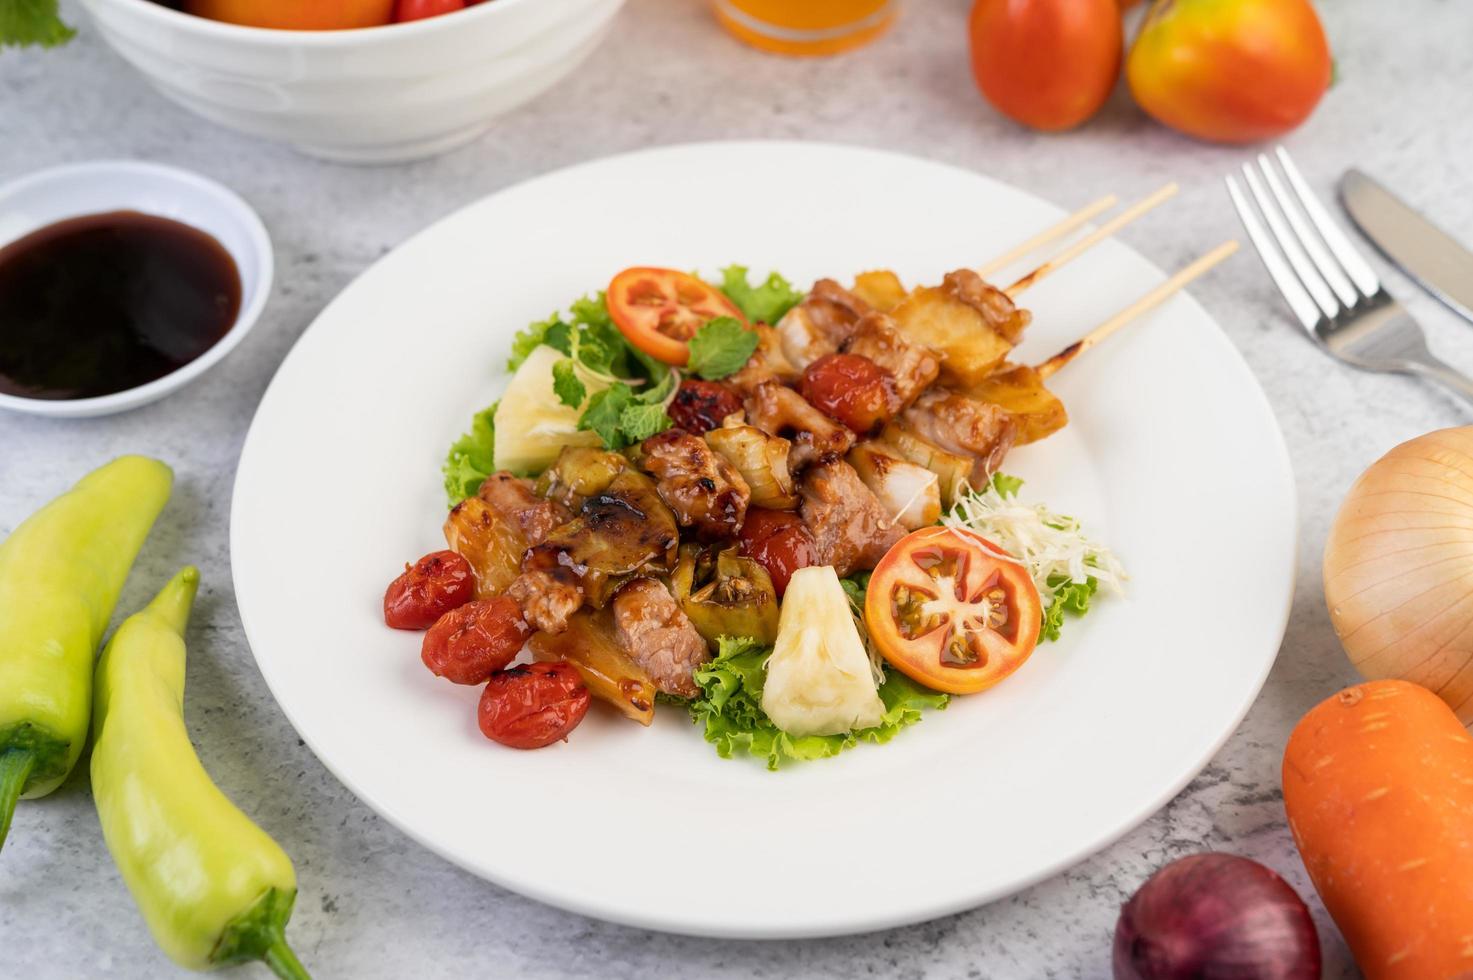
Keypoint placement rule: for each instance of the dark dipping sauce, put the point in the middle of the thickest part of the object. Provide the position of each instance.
(106, 302)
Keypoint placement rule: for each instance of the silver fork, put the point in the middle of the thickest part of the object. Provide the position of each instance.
(1332, 290)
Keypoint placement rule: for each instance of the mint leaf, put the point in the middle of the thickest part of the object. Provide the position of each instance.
(639, 422)
(759, 304)
(565, 384)
(604, 412)
(553, 332)
(720, 348)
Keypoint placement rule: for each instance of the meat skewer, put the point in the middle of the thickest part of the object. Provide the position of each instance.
(1041, 239)
(1146, 303)
(1093, 238)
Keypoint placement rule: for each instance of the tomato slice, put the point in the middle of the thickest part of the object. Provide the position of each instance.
(659, 310)
(945, 610)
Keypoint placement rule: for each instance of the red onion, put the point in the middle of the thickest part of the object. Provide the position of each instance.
(1216, 917)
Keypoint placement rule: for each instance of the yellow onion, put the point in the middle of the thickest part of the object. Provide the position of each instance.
(1399, 567)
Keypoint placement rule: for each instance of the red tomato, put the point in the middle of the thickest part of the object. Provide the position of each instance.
(853, 389)
(659, 310)
(699, 406)
(420, 9)
(1049, 64)
(532, 705)
(470, 643)
(947, 612)
(778, 541)
(433, 586)
(1235, 72)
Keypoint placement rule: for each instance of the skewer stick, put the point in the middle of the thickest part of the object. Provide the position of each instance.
(1093, 238)
(1146, 303)
(1048, 234)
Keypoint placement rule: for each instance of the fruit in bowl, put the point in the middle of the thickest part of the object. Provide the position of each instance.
(291, 15)
(379, 95)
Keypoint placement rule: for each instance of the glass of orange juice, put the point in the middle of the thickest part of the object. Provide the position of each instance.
(807, 27)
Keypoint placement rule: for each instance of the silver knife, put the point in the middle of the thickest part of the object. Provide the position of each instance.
(1438, 262)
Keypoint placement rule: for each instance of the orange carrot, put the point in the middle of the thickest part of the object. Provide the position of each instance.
(1378, 785)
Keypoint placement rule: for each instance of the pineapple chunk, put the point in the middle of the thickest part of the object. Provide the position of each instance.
(819, 678)
(881, 289)
(1019, 390)
(970, 349)
(532, 424)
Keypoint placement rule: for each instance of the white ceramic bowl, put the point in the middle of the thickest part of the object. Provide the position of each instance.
(49, 196)
(371, 95)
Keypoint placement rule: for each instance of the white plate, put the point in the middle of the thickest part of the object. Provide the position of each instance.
(1173, 457)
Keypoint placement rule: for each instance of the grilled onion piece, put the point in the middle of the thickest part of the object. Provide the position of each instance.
(761, 459)
(589, 645)
(952, 471)
(909, 492)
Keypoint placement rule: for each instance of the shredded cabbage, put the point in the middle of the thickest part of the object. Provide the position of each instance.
(1066, 566)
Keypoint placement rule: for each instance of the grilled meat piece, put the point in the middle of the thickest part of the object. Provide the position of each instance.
(964, 426)
(621, 531)
(781, 411)
(705, 491)
(547, 597)
(819, 324)
(513, 499)
(996, 307)
(658, 636)
(913, 365)
(851, 530)
(767, 363)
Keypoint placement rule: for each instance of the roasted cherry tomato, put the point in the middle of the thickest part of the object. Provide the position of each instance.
(947, 611)
(470, 643)
(427, 590)
(659, 310)
(420, 9)
(778, 541)
(853, 389)
(699, 406)
(532, 705)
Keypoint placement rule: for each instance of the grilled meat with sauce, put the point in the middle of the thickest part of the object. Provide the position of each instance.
(621, 531)
(851, 530)
(658, 636)
(965, 426)
(706, 492)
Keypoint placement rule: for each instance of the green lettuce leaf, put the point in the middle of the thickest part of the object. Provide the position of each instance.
(765, 303)
(27, 22)
(730, 709)
(469, 461)
(1072, 598)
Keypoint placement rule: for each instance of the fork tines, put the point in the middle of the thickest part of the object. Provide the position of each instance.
(1318, 271)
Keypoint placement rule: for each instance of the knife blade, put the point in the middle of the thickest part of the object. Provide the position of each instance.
(1438, 262)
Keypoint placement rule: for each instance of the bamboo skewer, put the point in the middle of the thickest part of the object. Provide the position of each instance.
(1093, 238)
(1059, 230)
(1146, 303)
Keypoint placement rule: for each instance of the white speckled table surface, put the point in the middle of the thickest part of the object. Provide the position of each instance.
(375, 904)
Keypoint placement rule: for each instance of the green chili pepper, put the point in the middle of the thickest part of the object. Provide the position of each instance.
(724, 594)
(213, 887)
(60, 575)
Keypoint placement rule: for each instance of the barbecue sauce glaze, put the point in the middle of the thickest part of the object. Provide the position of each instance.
(106, 302)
